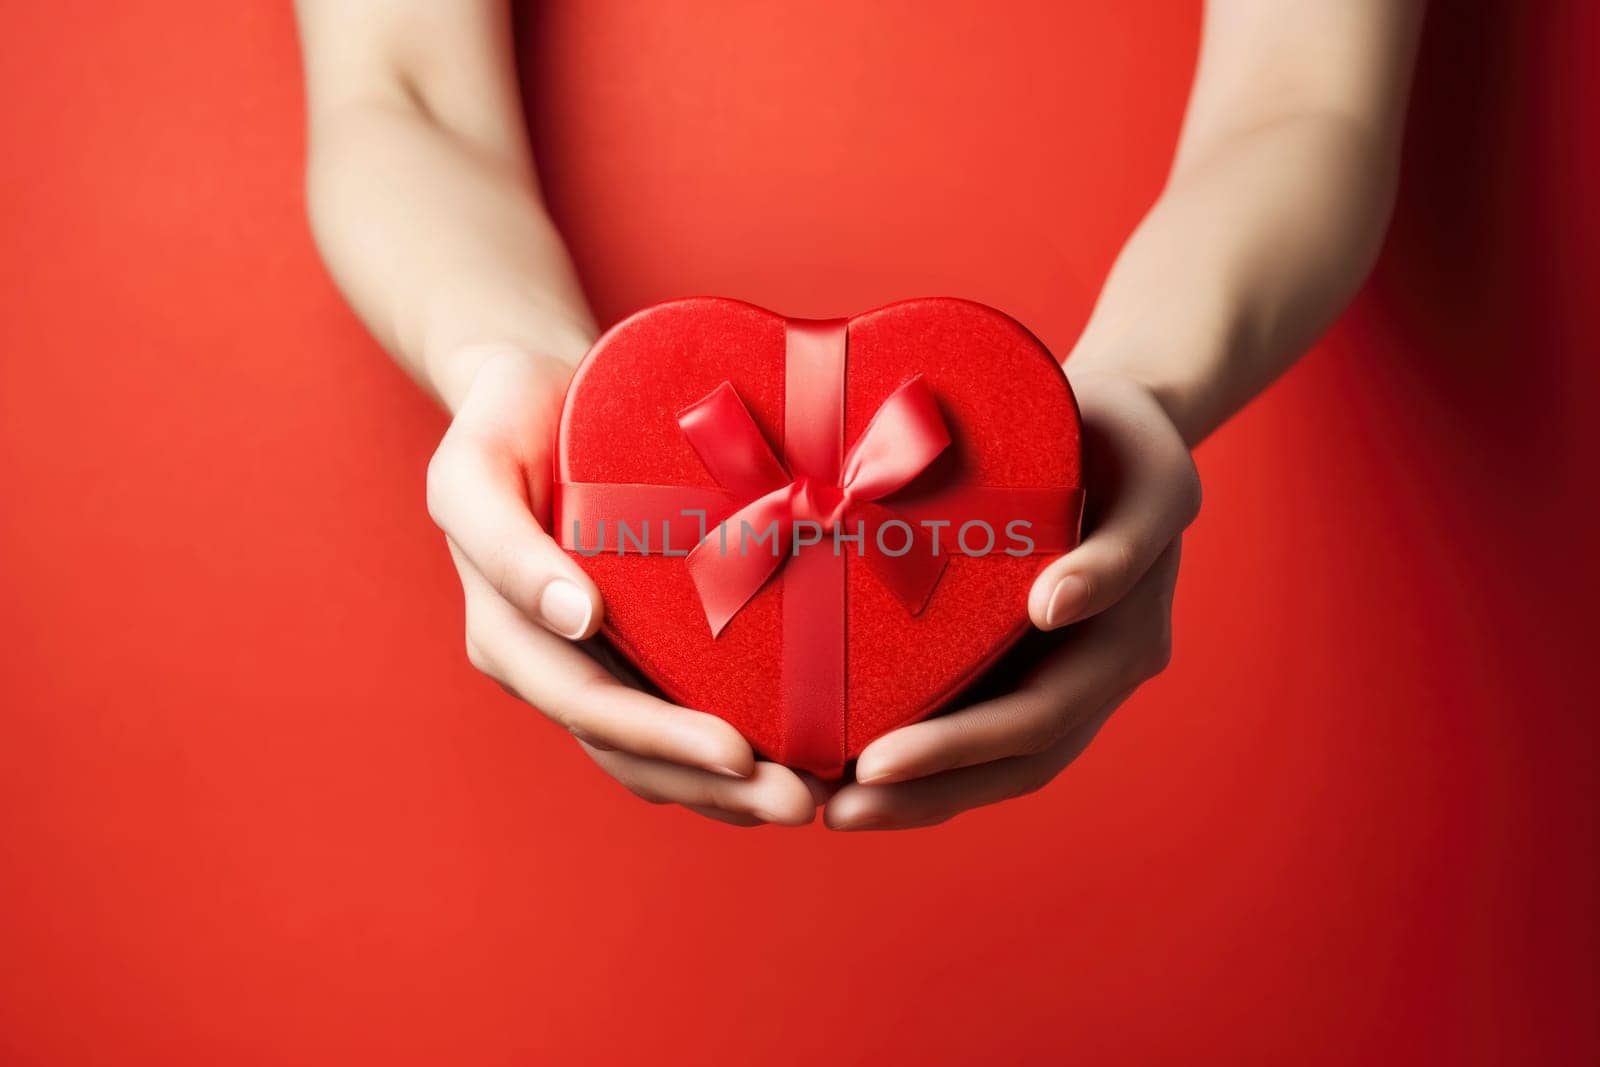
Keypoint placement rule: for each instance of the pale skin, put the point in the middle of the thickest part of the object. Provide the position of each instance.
(426, 206)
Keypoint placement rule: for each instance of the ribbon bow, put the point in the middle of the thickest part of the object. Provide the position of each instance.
(904, 436)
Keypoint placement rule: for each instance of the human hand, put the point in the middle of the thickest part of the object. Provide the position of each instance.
(529, 608)
(1114, 591)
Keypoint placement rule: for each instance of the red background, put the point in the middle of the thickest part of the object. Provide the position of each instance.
(256, 807)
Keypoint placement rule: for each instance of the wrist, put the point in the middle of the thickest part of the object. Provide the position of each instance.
(451, 366)
(452, 374)
(1181, 329)
(1176, 399)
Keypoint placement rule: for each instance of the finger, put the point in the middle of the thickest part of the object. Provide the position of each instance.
(821, 791)
(1068, 686)
(729, 817)
(487, 481)
(1108, 655)
(1154, 493)
(570, 687)
(930, 801)
(772, 793)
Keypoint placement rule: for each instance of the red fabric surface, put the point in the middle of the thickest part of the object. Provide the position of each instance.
(256, 808)
(812, 683)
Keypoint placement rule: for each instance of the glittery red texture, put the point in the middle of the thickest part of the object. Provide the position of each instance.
(1013, 422)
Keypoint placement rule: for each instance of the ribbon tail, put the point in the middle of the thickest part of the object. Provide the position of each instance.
(735, 559)
(911, 576)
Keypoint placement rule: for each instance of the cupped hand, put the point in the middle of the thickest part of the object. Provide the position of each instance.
(530, 609)
(1107, 605)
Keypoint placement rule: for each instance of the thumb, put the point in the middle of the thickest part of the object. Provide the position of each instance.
(489, 480)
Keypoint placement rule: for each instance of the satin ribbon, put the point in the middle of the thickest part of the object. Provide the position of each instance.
(817, 483)
(905, 435)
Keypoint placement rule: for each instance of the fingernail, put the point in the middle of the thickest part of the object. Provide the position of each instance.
(874, 775)
(729, 771)
(565, 609)
(1070, 596)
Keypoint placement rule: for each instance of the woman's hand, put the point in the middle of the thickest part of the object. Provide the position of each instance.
(426, 207)
(529, 608)
(1273, 212)
(1109, 601)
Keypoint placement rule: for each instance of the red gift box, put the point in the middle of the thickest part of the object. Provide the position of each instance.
(816, 530)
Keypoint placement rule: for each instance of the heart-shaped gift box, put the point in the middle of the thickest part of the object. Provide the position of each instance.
(816, 530)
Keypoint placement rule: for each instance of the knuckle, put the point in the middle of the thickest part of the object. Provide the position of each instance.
(1183, 480)
(589, 693)
(476, 655)
(440, 476)
(1190, 496)
(631, 777)
(1164, 656)
(1124, 562)
(475, 623)
(477, 636)
(1158, 650)
(1041, 736)
(513, 575)
(585, 737)
(644, 792)
(556, 713)
(1027, 784)
(582, 714)
(437, 482)
(709, 793)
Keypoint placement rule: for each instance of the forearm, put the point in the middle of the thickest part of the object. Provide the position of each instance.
(1245, 259)
(1276, 207)
(439, 244)
(421, 186)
